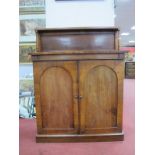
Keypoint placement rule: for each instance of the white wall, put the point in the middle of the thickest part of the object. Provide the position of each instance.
(79, 13)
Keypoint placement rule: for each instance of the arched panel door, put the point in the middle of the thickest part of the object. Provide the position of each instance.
(57, 103)
(99, 98)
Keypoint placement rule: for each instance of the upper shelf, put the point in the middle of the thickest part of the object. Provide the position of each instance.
(50, 40)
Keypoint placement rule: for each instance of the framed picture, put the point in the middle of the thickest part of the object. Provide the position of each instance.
(25, 77)
(28, 24)
(26, 86)
(29, 6)
(25, 71)
(24, 50)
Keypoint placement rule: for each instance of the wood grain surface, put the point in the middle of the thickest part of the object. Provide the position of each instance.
(56, 86)
(100, 99)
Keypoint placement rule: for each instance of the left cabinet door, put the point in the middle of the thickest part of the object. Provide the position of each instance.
(56, 97)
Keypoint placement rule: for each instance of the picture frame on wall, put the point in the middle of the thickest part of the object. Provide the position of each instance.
(28, 24)
(26, 85)
(29, 6)
(25, 77)
(24, 50)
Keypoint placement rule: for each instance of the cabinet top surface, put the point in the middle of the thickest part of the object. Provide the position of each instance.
(40, 30)
(81, 52)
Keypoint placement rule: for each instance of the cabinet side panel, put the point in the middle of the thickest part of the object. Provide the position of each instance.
(56, 89)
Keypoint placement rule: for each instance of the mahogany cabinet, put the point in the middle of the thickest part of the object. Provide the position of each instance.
(78, 93)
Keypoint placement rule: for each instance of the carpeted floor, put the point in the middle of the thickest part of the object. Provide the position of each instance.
(28, 146)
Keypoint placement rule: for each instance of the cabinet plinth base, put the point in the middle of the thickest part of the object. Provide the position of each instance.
(80, 138)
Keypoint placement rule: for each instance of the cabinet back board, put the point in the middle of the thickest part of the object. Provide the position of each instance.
(77, 39)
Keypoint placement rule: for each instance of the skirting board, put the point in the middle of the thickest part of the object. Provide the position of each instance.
(80, 138)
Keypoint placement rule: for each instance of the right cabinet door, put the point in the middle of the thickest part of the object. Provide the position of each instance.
(101, 95)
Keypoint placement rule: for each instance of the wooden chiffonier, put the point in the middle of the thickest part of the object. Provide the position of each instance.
(78, 79)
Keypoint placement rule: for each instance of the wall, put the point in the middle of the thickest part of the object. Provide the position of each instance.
(79, 13)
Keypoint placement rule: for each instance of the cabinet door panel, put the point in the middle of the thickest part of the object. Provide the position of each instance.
(99, 96)
(56, 98)
(57, 86)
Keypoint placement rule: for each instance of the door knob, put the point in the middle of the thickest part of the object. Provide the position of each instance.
(80, 97)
